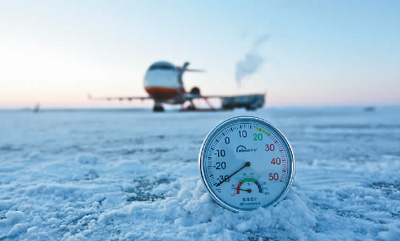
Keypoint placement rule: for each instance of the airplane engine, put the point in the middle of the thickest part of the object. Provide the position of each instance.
(195, 90)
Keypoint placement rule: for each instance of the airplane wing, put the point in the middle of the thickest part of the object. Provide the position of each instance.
(129, 98)
(251, 101)
(191, 96)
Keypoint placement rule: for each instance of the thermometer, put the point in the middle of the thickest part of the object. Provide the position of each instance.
(246, 163)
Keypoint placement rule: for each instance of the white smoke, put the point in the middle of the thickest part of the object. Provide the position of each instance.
(251, 62)
(247, 66)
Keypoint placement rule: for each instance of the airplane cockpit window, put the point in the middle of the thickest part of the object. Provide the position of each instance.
(161, 66)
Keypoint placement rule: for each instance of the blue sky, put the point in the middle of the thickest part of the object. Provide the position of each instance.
(314, 53)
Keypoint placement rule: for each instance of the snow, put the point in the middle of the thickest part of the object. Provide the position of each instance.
(133, 175)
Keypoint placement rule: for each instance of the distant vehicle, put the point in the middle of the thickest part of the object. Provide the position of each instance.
(250, 102)
(163, 82)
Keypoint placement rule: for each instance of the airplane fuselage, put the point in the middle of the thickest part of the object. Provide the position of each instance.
(163, 82)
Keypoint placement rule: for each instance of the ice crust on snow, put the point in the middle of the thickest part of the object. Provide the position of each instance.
(15, 216)
(119, 175)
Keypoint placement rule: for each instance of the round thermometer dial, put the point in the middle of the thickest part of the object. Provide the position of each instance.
(246, 163)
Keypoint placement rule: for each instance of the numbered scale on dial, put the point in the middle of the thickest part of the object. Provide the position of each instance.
(246, 163)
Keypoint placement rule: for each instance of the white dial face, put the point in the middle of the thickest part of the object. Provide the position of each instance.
(246, 163)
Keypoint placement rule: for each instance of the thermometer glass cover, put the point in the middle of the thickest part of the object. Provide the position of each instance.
(246, 163)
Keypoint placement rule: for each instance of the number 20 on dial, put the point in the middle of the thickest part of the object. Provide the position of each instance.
(246, 163)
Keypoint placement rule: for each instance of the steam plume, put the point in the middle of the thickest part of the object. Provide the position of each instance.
(251, 62)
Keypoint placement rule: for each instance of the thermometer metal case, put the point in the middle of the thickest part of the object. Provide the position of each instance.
(243, 120)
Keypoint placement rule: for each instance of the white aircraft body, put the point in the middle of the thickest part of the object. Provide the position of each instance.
(163, 82)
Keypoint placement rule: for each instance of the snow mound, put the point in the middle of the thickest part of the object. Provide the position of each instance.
(101, 175)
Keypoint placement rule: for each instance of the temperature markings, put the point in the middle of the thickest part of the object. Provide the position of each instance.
(258, 128)
(248, 180)
(284, 173)
(236, 191)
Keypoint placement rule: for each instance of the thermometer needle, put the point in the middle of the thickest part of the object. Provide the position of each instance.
(247, 164)
(246, 190)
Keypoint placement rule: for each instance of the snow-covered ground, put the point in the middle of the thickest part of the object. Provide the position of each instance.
(133, 175)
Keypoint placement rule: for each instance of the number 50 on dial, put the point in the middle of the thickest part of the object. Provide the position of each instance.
(246, 163)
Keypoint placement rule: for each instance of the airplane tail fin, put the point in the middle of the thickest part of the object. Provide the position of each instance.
(195, 70)
(185, 68)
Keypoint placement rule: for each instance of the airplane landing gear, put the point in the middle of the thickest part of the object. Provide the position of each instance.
(191, 106)
(158, 108)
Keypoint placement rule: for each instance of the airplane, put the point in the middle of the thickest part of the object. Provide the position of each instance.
(164, 84)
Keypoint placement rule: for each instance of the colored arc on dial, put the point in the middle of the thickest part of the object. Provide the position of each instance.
(258, 128)
(248, 180)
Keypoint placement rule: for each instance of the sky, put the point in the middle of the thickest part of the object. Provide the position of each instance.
(301, 53)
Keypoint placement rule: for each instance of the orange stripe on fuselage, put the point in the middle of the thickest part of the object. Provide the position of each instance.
(162, 92)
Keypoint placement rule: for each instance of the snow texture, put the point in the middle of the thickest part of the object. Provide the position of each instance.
(134, 175)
